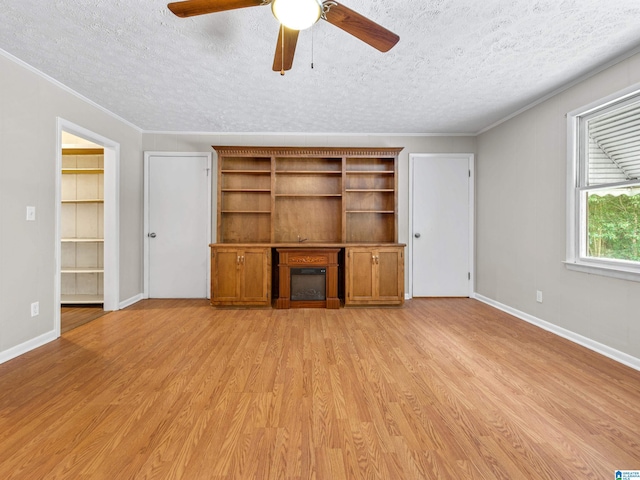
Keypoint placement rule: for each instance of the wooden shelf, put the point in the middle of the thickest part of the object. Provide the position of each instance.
(82, 151)
(249, 190)
(308, 172)
(81, 299)
(280, 195)
(248, 172)
(370, 172)
(364, 190)
(82, 171)
(371, 211)
(96, 200)
(81, 240)
(82, 270)
(247, 211)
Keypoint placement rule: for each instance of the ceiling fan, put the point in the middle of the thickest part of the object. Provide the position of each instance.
(296, 15)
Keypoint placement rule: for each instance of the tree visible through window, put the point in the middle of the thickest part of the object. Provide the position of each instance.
(614, 225)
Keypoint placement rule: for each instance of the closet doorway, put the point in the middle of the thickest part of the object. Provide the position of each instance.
(86, 251)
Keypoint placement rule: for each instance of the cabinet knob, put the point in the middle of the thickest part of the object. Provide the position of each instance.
(152, 235)
(417, 235)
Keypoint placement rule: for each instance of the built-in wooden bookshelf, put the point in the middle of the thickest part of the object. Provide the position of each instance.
(323, 195)
(275, 200)
(244, 199)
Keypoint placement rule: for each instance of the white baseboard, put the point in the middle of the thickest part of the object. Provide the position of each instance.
(34, 343)
(27, 346)
(130, 301)
(600, 348)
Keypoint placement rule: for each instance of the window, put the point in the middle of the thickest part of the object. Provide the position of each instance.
(604, 187)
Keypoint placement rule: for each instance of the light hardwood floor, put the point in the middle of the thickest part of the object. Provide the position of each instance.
(439, 389)
(73, 316)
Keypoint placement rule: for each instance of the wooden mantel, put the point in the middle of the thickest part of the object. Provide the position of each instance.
(308, 257)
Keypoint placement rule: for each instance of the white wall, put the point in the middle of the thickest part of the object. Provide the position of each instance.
(411, 144)
(521, 188)
(29, 106)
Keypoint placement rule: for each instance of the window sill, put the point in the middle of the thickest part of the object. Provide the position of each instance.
(622, 272)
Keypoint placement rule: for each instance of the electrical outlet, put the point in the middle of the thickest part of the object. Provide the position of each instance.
(539, 296)
(35, 309)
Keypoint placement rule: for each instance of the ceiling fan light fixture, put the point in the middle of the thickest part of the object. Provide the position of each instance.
(297, 14)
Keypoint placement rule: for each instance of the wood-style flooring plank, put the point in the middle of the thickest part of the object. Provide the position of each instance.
(438, 389)
(73, 316)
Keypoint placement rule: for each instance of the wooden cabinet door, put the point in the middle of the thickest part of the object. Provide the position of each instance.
(360, 276)
(375, 276)
(255, 275)
(389, 263)
(240, 276)
(225, 275)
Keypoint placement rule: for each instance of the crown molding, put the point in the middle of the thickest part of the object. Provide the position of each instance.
(308, 134)
(566, 86)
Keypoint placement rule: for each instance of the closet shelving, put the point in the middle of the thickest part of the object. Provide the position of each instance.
(82, 226)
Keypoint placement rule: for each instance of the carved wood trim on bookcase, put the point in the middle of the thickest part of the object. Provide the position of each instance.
(308, 151)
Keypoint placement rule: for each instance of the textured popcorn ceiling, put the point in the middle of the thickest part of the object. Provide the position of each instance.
(460, 65)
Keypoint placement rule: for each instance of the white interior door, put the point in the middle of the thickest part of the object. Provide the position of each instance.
(178, 224)
(441, 225)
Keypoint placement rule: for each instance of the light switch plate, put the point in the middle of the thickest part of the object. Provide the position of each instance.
(31, 214)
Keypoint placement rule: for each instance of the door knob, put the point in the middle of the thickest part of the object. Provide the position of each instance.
(152, 235)
(417, 235)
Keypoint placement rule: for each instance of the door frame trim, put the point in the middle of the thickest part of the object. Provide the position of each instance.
(147, 159)
(111, 285)
(472, 210)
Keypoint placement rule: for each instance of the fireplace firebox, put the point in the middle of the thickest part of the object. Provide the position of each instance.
(308, 284)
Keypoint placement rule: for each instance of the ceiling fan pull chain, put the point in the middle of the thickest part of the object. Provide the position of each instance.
(312, 35)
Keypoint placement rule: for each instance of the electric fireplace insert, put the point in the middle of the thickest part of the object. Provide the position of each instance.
(308, 284)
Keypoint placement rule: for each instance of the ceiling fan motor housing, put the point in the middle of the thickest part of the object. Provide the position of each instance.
(297, 14)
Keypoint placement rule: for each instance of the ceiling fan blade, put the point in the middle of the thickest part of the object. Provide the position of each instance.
(191, 8)
(360, 27)
(283, 59)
